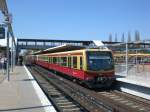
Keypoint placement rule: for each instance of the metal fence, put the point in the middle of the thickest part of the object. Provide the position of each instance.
(136, 67)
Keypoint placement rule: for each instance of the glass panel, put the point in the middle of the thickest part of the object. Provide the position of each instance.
(49, 59)
(54, 60)
(99, 60)
(69, 62)
(74, 62)
(63, 61)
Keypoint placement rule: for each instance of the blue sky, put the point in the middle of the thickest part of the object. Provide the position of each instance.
(79, 19)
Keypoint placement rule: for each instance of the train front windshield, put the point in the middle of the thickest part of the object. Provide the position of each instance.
(99, 60)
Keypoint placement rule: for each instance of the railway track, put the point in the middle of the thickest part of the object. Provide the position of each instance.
(61, 101)
(139, 104)
(88, 100)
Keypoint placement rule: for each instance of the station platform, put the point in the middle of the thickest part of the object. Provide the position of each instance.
(22, 93)
(138, 75)
(136, 82)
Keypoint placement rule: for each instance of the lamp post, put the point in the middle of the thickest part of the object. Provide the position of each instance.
(12, 56)
(8, 54)
(8, 22)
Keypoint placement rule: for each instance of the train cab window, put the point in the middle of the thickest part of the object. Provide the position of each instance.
(99, 60)
(74, 62)
(81, 63)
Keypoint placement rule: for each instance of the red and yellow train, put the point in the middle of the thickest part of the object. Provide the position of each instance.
(93, 67)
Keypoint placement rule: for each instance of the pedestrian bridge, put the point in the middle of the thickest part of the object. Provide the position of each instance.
(45, 43)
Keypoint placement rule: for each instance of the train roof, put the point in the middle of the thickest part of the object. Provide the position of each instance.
(64, 48)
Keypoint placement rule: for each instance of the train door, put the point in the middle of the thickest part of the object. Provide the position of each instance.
(74, 62)
(79, 62)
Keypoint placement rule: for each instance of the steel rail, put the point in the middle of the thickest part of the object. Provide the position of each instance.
(61, 101)
(88, 97)
(85, 100)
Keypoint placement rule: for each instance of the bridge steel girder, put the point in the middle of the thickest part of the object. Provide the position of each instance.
(45, 43)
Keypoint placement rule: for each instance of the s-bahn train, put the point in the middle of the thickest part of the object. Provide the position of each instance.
(93, 67)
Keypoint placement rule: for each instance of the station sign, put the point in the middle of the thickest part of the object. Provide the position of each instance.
(2, 33)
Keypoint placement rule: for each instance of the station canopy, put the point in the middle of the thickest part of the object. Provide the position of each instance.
(62, 48)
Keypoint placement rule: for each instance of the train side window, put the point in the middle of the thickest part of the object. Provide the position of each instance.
(63, 61)
(46, 58)
(54, 60)
(59, 60)
(81, 63)
(69, 62)
(42, 58)
(74, 62)
(49, 59)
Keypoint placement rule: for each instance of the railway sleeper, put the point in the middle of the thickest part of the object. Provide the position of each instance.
(65, 104)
